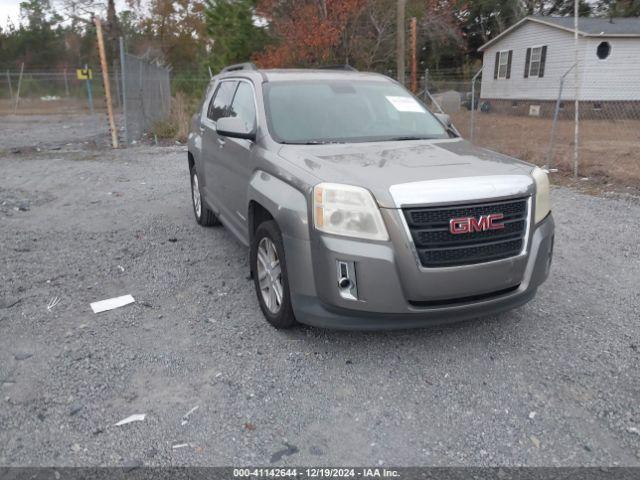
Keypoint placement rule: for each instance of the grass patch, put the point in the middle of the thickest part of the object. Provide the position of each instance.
(176, 127)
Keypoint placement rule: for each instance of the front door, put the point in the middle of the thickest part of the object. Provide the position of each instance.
(212, 144)
(235, 161)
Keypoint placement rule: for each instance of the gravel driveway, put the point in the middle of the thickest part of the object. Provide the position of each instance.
(553, 383)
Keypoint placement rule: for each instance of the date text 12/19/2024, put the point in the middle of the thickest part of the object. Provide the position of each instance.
(315, 473)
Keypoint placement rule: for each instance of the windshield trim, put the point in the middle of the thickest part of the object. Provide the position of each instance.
(373, 139)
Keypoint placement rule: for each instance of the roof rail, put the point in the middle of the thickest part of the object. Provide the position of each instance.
(239, 66)
(346, 67)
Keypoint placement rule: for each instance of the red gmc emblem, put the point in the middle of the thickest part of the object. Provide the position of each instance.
(471, 224)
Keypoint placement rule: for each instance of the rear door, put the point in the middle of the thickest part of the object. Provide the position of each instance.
(212, 143)
(236, 160)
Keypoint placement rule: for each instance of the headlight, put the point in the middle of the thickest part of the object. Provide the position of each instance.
(347, 210)
(543, 203)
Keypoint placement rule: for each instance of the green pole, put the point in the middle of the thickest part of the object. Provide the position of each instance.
(89, 89)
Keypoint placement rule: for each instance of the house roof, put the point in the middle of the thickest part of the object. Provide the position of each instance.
(587, 26)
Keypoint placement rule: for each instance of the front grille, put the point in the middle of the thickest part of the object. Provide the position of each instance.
(437, 247)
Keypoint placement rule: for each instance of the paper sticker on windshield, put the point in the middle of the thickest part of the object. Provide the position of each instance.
(405, 104)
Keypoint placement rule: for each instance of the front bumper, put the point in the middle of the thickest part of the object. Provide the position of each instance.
(383, 298)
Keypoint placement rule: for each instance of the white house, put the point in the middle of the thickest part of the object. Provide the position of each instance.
(522, 66)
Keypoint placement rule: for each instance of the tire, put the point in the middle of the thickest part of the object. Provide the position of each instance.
(275, 307)
(204, 215)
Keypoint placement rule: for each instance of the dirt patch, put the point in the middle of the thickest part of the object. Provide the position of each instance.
(609, 150)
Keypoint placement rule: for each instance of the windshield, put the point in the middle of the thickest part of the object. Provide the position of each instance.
(343, 111)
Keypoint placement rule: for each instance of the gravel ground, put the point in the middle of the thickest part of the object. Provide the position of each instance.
(553, 383)
(30, 132)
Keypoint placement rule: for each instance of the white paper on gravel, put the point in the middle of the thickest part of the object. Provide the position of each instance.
(138, 417)
(111, 303)
(405, 104)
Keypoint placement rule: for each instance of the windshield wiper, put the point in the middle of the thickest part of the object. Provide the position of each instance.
(408, 137)
(314, 142)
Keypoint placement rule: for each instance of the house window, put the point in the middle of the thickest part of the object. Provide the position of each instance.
(534, 61)
(603, 50)
(503, 64)
(536, 58)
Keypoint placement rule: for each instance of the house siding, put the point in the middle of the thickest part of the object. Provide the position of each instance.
(613, 79)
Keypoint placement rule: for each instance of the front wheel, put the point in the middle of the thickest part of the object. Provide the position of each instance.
(270, 275)
(204, 216)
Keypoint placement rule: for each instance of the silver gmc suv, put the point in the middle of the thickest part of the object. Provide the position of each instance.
(361, 208)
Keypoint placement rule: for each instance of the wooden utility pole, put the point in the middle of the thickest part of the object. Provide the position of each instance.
(400, 37)
(414, 54)
(107, 84)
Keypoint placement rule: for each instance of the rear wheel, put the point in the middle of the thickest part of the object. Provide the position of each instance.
(204, 216)
(270, 275)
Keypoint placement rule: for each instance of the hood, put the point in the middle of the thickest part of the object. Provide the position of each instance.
(378, 166)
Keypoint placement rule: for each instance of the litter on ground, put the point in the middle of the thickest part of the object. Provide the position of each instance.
(138, 417)
(111, 303)
(185, 418)
(52, 303)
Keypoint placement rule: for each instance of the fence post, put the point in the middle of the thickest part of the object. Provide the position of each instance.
(66, 82)
(426, 83)
(576, 106)
(473, 106)
(124, 90)
(400, 41)
(554, 124)
(10, 86)
(116, 80)
(556, 111)
(15, 109)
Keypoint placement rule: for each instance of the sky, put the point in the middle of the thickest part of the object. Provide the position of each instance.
(9, 8)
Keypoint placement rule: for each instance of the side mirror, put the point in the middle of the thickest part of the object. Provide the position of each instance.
(446, 121)
(235, 128)
(444, 118)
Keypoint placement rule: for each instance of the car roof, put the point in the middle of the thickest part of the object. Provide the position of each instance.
(293, 74)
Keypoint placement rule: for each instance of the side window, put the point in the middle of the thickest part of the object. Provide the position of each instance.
(535, 60)
(219, 105)
(503, 64)
(534, 66)
(243, 105)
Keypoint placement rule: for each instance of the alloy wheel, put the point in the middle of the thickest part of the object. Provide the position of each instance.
(195, 189)
(269, 275)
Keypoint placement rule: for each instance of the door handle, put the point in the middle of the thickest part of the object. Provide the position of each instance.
(221, 142)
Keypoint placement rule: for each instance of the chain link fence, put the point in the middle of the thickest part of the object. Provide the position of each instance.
(146, 97)
(538, 124)
(38, 92)
(140, 90)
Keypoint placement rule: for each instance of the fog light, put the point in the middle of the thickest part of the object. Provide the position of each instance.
(347, 287)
